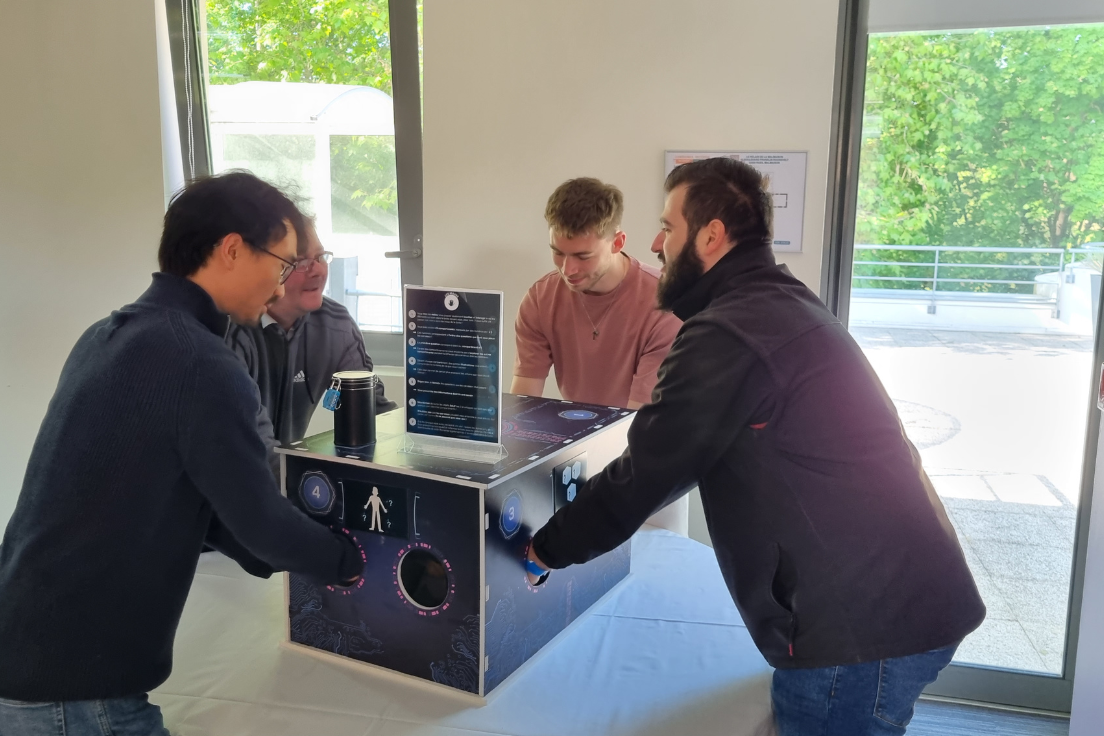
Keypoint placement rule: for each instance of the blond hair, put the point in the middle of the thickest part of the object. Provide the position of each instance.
(585, 205)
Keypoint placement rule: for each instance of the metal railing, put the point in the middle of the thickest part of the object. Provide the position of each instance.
(941, 272)
(342, 286)
(390, 327)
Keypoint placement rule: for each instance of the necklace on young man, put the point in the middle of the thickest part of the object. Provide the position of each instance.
(594, 325)
(582, 302)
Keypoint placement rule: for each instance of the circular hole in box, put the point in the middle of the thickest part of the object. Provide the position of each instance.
(423, 579)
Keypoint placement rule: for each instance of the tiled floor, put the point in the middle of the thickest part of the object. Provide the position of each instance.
(1004, 452)
(1021, 560)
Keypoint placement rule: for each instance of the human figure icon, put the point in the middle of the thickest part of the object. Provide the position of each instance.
(376, 524)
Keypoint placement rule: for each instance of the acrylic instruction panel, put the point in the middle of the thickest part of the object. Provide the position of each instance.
(786, 170)
(454, 363)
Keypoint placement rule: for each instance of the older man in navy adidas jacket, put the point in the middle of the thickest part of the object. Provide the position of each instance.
(300, 342)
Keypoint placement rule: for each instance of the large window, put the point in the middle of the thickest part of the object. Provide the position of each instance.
(972, 283)
(310, 95)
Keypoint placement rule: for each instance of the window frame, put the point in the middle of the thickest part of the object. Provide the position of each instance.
(187, 39)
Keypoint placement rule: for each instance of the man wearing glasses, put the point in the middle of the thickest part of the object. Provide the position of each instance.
(301, 341)
(149, 448)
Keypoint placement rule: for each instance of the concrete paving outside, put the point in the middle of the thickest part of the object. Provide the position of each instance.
(999, 419)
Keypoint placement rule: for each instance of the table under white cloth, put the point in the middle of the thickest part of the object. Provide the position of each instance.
(666, 654)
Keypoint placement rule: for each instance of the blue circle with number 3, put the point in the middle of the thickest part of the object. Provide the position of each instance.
(510, 520)
(317, 493)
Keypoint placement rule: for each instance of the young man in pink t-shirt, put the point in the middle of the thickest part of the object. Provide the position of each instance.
(594, 318)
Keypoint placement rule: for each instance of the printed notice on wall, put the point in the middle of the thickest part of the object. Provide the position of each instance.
(786, 170)
(454, 363)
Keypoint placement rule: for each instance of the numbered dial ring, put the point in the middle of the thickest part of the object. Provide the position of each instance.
(317, 493)
(423, 579)
(364, 558)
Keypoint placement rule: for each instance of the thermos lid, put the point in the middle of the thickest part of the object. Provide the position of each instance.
(353, 375)
(355, 379)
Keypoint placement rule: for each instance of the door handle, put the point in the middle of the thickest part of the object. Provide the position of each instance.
(1100, 391)
(403, 254)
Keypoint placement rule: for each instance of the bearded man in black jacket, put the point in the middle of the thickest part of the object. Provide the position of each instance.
(836, 550)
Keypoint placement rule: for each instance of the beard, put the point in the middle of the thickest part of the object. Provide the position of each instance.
(679, 276)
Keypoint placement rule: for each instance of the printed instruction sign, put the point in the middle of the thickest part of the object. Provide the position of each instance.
(786, 170)
(454, 363)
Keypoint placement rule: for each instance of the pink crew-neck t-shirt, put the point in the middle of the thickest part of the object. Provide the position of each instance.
(555, 327)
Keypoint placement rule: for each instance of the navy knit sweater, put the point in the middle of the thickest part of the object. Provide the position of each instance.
(149, 447)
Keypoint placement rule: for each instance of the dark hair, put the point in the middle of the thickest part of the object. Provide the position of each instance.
(207, 210)
(730, 191)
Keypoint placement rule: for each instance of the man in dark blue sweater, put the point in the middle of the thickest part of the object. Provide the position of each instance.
(148, 449)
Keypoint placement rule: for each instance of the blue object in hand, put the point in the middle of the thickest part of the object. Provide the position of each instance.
(534, 569)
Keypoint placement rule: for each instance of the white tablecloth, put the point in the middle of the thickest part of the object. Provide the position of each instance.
(667, 655)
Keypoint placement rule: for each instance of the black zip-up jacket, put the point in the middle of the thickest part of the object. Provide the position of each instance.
(829, 534)
(148, 448)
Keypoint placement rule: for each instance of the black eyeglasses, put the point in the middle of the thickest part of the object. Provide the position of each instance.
(286, 269)
(304, 264)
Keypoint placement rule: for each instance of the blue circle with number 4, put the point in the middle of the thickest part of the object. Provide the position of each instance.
(510, 520)
(317, 493)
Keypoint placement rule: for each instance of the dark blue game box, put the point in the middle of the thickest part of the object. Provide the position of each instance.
(444, 596)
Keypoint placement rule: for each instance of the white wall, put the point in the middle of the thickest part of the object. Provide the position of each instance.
(520, 96)
(81, 192)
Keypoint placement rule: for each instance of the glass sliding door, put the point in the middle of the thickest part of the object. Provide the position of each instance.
(974, 289)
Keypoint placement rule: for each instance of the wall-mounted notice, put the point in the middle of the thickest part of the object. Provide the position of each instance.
(454, 363)
(786, 170)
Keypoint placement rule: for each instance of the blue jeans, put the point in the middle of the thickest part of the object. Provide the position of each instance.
(869, 699)
(133, 716)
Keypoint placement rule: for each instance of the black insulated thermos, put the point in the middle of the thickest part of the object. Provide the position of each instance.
(355, 416)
